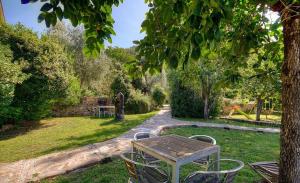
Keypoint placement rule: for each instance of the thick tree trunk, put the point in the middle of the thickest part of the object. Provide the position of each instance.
(259, 106)
(290, 131)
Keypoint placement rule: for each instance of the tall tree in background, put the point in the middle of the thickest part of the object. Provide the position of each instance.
(176, 30)
(206, 76)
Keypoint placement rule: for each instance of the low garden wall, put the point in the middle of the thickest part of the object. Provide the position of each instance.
(85, 108)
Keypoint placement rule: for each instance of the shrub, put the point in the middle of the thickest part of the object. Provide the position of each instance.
(46, 68)
(120, 85)
(73, 93)
(10, 75)
(158, 96)
(138, 103)
(186, 102)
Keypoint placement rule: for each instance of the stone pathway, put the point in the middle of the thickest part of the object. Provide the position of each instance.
(69, 160)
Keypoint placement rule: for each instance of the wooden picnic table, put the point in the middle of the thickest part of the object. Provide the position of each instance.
(176, 151)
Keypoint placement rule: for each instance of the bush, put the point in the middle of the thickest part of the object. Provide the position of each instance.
(158, 97)
(46, 72)
(73, 93)
(186, 102)
(138, 103)
(120, 85)
(10, 75)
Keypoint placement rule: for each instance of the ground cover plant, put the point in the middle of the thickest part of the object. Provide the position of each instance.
(273, 117)
(245, 146)
(57, 134)
(223, 121)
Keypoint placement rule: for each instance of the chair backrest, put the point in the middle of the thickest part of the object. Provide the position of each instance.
(141, 135)
(132, 170)
(204, 138)
(229, 177)
(268, 170)
(224, 176)
(133, 164)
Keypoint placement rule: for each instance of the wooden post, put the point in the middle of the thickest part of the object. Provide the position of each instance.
(119, 105)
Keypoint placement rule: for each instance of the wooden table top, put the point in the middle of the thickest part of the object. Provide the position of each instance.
(174, 147)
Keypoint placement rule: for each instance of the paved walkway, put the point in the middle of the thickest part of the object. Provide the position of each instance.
(69, 160)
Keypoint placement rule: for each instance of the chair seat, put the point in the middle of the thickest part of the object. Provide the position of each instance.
(203, 178)
(150, 158)
(202, 161)
(153, 175)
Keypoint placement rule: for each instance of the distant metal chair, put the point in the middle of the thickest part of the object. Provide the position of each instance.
(142, 135)
(204, 138)
(211, 176)
(147, 157)
(143, 173)
(268, 170)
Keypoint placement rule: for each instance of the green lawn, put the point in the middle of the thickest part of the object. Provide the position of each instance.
(275, 118)
(56, 134)
(245, 146)
(223, 121)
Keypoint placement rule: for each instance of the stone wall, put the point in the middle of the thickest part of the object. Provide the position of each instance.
(85, 108)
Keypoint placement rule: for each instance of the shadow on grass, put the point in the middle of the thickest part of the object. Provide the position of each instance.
(22, 129)
(99, 135)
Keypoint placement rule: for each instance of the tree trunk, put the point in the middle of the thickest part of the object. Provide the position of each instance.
(290, 131)
(206, 110)
(259, 106)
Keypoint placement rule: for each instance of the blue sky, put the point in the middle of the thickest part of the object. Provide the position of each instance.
(128, 18)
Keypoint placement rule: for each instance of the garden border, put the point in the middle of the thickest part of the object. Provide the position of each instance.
(261, 123)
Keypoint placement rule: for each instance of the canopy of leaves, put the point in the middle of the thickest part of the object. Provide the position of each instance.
(39, 70)
(169, 23)
(10, 75)
(95, 15)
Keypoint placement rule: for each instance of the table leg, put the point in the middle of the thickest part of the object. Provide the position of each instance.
(218, 160)
(175, 174)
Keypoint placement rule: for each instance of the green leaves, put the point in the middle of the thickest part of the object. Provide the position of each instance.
(59, 13)
(41, 17)
(96, 17)
(179, 6)
(46, 7)
(196, 53)
(50, 18)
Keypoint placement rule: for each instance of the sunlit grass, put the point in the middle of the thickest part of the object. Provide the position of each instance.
(245, 146)
(276, 118)
(57, 134)
(224, 121)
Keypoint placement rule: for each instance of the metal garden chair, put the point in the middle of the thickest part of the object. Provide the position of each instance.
(211, 176)
(143, 135)
(205, 138)
(147, 157)
(143, 173)
(269, 171)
